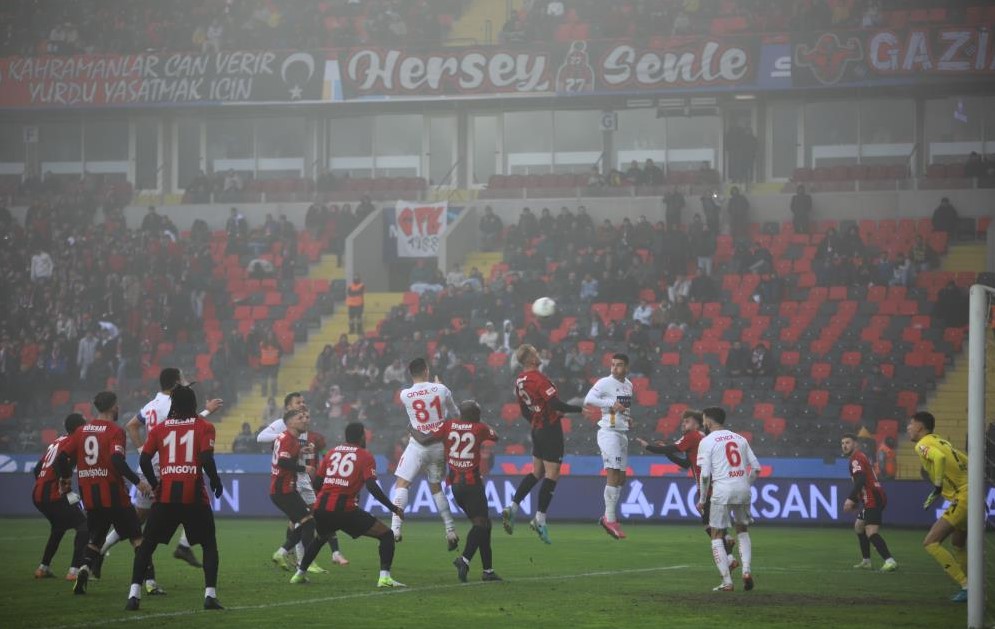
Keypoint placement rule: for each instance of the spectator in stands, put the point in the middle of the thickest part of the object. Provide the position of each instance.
(761, 259)
(643, 313)
(680, 288)
(738, 360)
(711, 208)
(769, 289)
(236, 227)
(679, 315)
(269, 363)
(425, 279)
(355, 301)
(41, 266)
(509, 337)
(490, 229)
(594, 178)
(245, 441)
(87, 353)
(923, 258)
(945, 217)
(325, 363)
(739, 214)
(851, 244)
(528, 225)
(703, 288)
(489, 337)
(761, 362)
(801, 211)
(973, 167)
(232, 185)
(394, 374)
(675, 204)
(633, 175)
(702, 243)
(951, 307)
(902, 273)
(886, 463)
(652, 174)
(152, 221)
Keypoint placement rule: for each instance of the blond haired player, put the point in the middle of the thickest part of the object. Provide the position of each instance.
(946, 468)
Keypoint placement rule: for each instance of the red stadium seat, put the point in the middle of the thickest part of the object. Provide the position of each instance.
(852, 413)
(784, 385)
(775, 426)
(667, 425)
(818, 398)
(763, 410)
(510, 412)
(731, 398)
(647, 397)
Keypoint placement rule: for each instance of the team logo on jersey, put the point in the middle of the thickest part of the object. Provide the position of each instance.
(625, 400)
(829, 58)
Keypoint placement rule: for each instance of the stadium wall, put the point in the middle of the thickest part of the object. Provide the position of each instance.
(462, 237)
(364, 253)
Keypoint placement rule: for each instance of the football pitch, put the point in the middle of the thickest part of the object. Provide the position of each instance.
(662, 575)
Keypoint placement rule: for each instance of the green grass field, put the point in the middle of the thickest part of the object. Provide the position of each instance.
(661, 576)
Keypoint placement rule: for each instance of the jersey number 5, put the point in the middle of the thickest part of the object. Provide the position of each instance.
(733, 455)
(421, 409)
(467, 440)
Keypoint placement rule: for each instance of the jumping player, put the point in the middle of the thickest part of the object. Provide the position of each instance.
(869, 493)
(611, 398)
(542, 408)
(60, 507)
(97, 451)
(464, 438)
(728, 470)
(345, 471)
(184, 444)
(428, 404)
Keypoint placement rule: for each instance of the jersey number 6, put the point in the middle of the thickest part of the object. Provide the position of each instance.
(733, 455)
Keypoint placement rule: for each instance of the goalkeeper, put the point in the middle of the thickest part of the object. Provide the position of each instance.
(946, 469)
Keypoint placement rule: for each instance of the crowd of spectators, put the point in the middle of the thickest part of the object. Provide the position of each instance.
(539, 20)
(38, 27)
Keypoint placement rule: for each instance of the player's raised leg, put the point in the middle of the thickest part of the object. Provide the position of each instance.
(524, 487)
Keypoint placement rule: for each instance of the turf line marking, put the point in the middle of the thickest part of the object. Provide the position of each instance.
(373, 593)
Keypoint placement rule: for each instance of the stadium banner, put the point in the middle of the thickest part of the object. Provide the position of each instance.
(149, 79)
(888, 57)
(417, 227)
(580, 67)
(775, 501)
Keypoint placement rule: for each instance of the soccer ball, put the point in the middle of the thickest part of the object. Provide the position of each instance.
(543, 307)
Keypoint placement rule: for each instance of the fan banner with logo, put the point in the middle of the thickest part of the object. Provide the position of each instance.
(418, 228)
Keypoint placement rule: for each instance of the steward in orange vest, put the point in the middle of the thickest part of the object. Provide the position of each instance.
(354, 301)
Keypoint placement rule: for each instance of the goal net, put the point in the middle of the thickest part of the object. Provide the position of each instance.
(981, 460)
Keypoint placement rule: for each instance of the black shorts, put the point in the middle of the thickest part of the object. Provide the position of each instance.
(292, 505)
(547, 443)
(471, 500)
(124, 520)
(871, 515)
(164, 518)
(62, 515)
(356, 522)
(355, 311)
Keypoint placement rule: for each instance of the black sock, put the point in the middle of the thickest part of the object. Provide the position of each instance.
(865, 545)
(485, 548)
(143, 562)
(211, 562)
(880, 546)
(150, 573)
(528, 482)
(307, 533)
(473, 539)
(293, 536)
(310, 553)
(334, 543)
(546, 494)
(90, 555)
(386, 550)
(52, 546)
(79, 545)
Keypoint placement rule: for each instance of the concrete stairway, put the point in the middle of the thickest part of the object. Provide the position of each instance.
(949, 402)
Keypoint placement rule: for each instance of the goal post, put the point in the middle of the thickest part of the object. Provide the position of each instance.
(981, 300)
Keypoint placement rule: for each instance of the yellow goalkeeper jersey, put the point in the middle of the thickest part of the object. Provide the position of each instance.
(945, 465)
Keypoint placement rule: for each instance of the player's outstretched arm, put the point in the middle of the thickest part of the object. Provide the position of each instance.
(424, 439)
(560, 406)
(377, 492)
(271, 432)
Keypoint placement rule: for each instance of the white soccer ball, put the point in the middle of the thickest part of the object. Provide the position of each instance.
(543, 307)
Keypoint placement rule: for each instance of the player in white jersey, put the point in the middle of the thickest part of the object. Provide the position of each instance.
(610, 399)
(728, 468)
(282, 558)
(428, 404)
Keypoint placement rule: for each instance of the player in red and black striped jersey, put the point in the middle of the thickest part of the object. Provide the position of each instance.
(97, 451)
(183, 443)
(868, 492)
(684, 453)
(284, 471)
(543, 409)
(54, 500)
(463, 439)
(343, 473)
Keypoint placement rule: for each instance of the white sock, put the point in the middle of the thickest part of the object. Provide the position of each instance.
(281, 551)
(210, 592)
(74, 571)
(150, 583)
(513, 507)
(384, 574)
(540, 518)
(745, 551)
(136, 591)
(731, 559)
(112, 538)
(183, 539)
(443, 506)
(299, 549)
(611, 502)
(299, 573)
(721, 560)
(42, 566)
(401, 500)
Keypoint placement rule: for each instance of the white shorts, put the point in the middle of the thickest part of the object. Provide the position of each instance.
(418, 458)
(722, 516)
(142, 501)
(614, 449)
